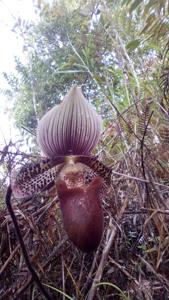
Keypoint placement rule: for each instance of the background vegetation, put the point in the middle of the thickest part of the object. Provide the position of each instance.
(118, 52)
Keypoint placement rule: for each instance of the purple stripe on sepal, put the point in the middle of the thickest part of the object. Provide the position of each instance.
(73, 127)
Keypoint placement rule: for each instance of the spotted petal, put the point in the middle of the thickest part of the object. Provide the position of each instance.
(97, 166)
(35, 177)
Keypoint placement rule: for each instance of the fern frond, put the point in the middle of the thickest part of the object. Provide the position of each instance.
(142, 123)
(164, 132)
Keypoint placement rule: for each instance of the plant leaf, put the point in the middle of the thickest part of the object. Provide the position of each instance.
(133, 44)
(134, 5)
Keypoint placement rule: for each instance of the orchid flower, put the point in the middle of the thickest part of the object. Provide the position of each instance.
(67, 134)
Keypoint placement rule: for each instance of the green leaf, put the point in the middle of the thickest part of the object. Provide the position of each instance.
(115, 287)
(59, 291)
(70, 71)
(134, 5)
(126, 2)
(133, 44)
(150, 20)
(149, 5)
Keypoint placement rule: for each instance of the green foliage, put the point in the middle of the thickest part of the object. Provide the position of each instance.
(59, 291)
(133, 44)
(122, 295)
(104, 48)
(154, 15)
